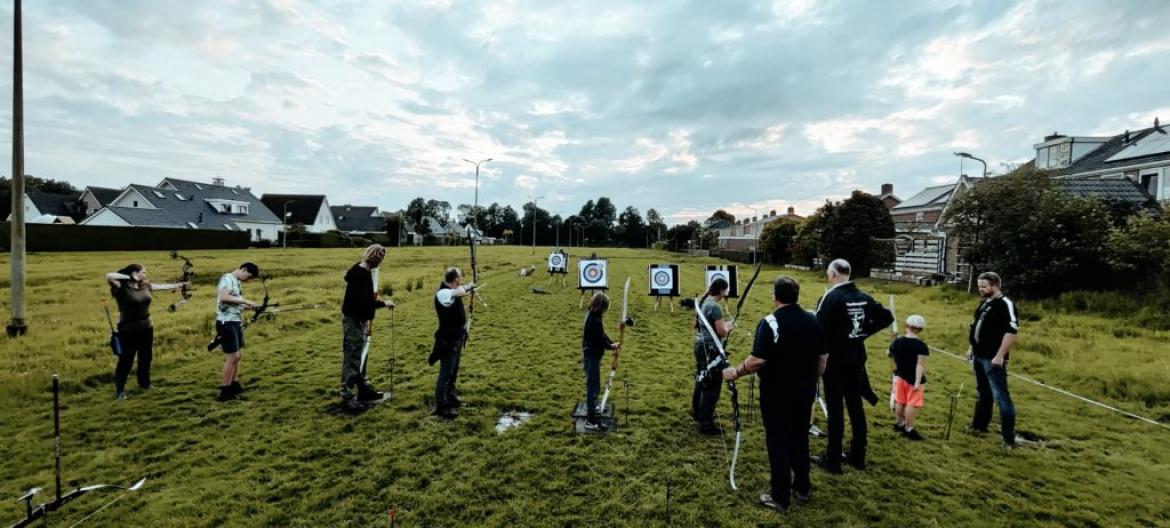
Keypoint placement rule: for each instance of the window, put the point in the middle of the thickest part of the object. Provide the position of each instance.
(197, 186)
(228, 227)
(159, 194)
(181, 197)
(135, 203)
(918, 217)
(257, 234)
(235, 192)
(192, 225)
(1149, 182)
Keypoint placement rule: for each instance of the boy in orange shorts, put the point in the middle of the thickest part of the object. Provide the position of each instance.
(908, 356)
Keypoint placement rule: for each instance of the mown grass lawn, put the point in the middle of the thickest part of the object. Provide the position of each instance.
(280, 458)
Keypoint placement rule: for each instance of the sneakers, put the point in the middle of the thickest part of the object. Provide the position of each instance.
(912, 434)
(455, 402)
(1007, 446)
(225, 393)
(815, 431)
(594, 427)
(824, 463)
(858, 462)
(767, 502)
(972, 430)
(899, 428)
(708, 429)
(446, 413)
(236, 388)
(367, 393)
(802, 496)
(352, 405)
(120, 396)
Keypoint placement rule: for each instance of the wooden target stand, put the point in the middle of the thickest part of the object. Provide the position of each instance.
(561, 277)
(669, 300)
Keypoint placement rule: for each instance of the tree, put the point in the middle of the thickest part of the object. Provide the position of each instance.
(721, 215)
(655, 224)
(631, 228)
(682, 237)
(1141, 248)
(847, 230)
(31, 184)
(416, 210)
(777, 239)
(439, 210)
(394, 228)
(1054, 238)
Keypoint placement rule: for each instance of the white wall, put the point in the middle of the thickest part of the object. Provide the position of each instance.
(324, 221)
(133, 198)
(105, 217)
(267, 231)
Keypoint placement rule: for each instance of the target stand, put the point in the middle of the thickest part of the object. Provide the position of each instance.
(605, 417)
(558, 267)
(592, 277)
(664, 283)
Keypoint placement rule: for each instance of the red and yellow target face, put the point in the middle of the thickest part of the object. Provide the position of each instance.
(592, 273)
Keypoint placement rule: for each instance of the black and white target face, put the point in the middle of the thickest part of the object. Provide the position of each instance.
(712, 276)
(593, 274)
(556, 261)
(662, 279)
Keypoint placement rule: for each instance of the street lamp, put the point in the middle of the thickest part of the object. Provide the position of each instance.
(284, 222)
(755, 233)
(475, 208)
(968, 156)
(534, 220)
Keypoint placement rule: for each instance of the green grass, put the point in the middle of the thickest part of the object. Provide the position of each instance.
(280, 459)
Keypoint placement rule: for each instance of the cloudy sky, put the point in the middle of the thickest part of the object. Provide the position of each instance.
(681, 106)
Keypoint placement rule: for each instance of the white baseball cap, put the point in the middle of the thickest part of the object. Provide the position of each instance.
(916, 321)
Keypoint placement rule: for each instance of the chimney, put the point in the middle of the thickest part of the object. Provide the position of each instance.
(217, 181)
(772, 213)
(755, 219)
(1055, 135)
(791, 211)
(887, 188)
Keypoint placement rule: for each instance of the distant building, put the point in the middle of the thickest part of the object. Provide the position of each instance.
(51, 208)
(95, 198)
(182, 204)
(1141, 156)
(358, 219)
(309, 210)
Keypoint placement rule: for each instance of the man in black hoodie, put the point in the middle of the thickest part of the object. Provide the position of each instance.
(357, 315)
(848, 316)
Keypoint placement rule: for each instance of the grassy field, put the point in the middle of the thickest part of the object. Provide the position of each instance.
(281, 458)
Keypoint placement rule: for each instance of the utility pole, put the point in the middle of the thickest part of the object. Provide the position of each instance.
(534, 221)
(17, 326)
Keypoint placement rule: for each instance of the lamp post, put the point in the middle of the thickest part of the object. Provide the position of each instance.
(969, 156)
(17, 326)
(284, 222)
(475, 208)
(534, 220)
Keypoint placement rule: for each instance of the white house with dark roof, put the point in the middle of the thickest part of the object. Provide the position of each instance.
(94, 198)
(309, 210)
(358, 219)
(1141, 156)
(182, 204)
(50, 208)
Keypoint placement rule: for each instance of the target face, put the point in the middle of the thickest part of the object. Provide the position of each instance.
(557, 263)
(592, 274)
(663, 280)
(727, 273)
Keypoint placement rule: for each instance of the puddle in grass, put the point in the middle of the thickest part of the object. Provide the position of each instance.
(512, 419)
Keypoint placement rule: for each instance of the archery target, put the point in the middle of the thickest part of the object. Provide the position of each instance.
(664, 280)
(557, 263)
(592, 274)
(727, 273)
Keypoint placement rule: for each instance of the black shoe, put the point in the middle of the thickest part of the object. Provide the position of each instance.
(225, 394)
(594, 427)
(823, 463)
(708, 429)
(236, 388)
(913, 434)
(455, 401)
(803, 497)
(767, 502)
(972, 430)
(858, 462)
(352, 405)
(367, 393)
(1007, 446)
(899, 428)
(446, 413)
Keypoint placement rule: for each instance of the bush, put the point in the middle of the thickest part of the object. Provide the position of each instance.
(777, 239)
(60, 237)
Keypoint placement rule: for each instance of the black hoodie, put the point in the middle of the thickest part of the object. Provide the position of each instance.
(360, 301)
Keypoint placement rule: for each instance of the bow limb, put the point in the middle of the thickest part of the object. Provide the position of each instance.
(720, 361)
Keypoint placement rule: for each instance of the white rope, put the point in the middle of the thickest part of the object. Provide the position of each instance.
(1066, 393)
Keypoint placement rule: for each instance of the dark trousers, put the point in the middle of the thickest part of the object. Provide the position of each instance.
(843, 392)
(134, 343)
(592, 366)
(991, 385)
(353, 341)
(448, 374)
(786, 435)
(706, 394)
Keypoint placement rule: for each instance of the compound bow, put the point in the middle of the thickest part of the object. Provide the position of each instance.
(185, 280)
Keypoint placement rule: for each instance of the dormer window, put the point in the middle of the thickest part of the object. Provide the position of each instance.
(192, 225)
(181, 198)
(159, 194)
(228, 227)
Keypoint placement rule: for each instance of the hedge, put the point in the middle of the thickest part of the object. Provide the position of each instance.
(63, 237)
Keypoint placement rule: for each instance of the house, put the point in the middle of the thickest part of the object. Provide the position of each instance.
(51, 208)
(435, 230)
(358, 219)
(887, 196)
(921, 246)
(183, 204)
(95, 198)
(1141, 156)
(309, 210)
(744, 235)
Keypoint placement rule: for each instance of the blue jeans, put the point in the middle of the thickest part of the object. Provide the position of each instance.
(991, 385)
(592, 365)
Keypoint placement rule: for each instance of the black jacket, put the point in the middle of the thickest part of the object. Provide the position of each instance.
(593, 340)
(360, 300)
(848, 316)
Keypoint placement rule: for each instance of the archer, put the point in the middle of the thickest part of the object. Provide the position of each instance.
(357, 319)
(705, 395)
(450, 339)
(135, 334)
(229, 326)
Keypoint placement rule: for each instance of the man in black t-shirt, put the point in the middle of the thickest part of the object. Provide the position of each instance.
(993, 333)
(789, 354)
(357, 314)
